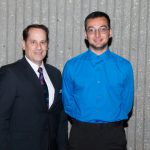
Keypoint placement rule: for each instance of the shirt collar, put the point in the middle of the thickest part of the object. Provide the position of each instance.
(34, 66)
(98, 58)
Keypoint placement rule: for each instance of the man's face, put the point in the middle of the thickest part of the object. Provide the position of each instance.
(98, 34)
(36, 45)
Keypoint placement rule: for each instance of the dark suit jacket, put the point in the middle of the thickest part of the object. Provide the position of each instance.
(25, 123)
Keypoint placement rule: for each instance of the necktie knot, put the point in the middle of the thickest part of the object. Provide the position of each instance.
(41, 76)
(40, 70)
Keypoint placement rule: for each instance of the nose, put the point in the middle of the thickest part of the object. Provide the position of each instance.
(97, 33)
(38, 45)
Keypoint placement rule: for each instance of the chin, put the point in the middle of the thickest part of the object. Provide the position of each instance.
(99, 47)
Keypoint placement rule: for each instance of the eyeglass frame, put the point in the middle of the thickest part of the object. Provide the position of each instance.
(99, 29)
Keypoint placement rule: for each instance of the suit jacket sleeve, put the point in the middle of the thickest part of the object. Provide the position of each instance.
(59, 118)
(62, 134)
(7, 97)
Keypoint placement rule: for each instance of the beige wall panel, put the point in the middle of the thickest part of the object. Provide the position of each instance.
(65, 20)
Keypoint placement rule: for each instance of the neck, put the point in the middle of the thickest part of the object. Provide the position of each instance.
(98, 51)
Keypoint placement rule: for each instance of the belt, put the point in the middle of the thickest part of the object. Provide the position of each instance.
(79, 123)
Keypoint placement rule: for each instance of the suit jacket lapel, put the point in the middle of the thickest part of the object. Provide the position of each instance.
(31, 75)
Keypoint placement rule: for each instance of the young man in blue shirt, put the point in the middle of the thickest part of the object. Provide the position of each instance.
(98, 91)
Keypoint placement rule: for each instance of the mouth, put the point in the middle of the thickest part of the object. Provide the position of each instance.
(98, 41)
(38, 51)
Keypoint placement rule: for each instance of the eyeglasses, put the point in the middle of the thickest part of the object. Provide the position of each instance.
(101, 29)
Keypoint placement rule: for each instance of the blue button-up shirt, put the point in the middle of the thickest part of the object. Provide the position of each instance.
(98, 88)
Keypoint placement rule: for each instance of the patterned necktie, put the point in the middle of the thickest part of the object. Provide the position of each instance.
(43, 83)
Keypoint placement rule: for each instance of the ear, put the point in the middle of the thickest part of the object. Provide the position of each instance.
(23, 45)
(85, 35)
(110, 33)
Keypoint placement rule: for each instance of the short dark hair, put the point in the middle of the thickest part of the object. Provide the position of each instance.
(25, 33)
(97, 14)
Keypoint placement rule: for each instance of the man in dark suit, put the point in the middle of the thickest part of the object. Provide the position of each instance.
(31, 112)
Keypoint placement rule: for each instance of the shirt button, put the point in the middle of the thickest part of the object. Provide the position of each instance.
(98, 82)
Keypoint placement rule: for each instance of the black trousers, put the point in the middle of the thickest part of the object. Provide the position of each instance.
(105, 136)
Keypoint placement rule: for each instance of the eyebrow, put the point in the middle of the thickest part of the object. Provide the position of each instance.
(97, 26)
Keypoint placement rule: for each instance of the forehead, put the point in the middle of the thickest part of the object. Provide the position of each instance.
(99, 21)
(36, 32)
